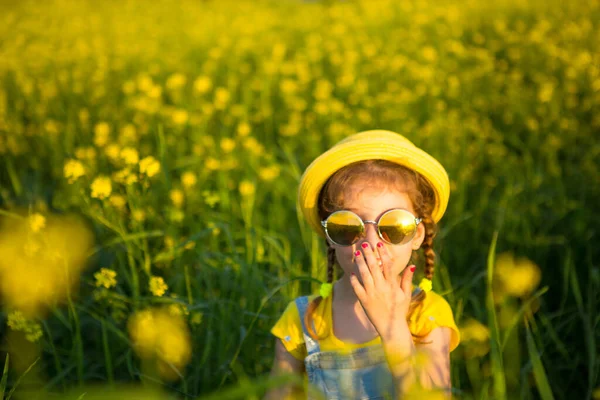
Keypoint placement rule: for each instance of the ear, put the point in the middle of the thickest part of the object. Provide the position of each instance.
(419, 237)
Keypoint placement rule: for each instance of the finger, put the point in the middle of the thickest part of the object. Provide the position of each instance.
(406, 283)
(386, 261)
(363, 271)
(373, 263)
(359, 290)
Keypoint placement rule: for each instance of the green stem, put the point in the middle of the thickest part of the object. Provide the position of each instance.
(107, 355)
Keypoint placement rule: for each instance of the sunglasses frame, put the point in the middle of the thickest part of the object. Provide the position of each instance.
(364, 229)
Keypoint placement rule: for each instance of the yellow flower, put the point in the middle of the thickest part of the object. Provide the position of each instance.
(32, 267)
(188, 179)
(176, 81)
(113, 151)
(227, 145)
(247, 188)
(130, 155)
(73, 170)
(180, 117)
(210, 198)
(101, 187)
(202, 84)
(158, 287)
(138, 215)
(149, 166)
(222, 97)
(101, 134)
(269, 173)
(161, 335)
(18, 322)
(118, 201)
(106, 277)
(244, 129)
(516, 277)
(212, 164)
(475, 338)
(177, 197)
(37, 222)
(125, 176)
(128, 134)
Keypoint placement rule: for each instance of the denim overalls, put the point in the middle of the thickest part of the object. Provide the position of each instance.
(361, 374)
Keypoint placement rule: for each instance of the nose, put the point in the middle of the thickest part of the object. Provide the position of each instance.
(371, 236)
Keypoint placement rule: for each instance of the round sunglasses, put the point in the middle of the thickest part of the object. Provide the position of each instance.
(345, 228)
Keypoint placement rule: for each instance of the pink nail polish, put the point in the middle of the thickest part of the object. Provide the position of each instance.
(412, 269)
(365, 245)
(357, 253)
(380, 245)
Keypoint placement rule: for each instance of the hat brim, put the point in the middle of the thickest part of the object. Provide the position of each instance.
(399, 151)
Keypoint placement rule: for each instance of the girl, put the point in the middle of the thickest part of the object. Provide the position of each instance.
(376, 199)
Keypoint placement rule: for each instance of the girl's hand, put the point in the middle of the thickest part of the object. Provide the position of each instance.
(384, 297)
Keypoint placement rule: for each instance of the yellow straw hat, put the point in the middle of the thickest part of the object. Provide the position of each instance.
(370, 145)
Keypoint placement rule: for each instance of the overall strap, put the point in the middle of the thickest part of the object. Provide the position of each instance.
(312, 346)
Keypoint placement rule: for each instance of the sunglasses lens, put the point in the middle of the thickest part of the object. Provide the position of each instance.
(344, 228)
(397, 226)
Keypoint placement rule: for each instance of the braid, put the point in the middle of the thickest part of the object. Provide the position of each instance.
(308, 320)
(330, 263)
(427, 246)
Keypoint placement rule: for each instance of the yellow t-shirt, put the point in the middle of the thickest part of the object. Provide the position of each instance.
(433, 312)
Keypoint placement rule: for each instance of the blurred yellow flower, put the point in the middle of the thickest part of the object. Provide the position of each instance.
(177, 197)
(36, 222)
(163, 336)
(38, 270)
(73, 170)
(202, 84)
(243, 129)
(106, 277)
(180, 117)
(113, 152)
(268, 174)
(210, 198)
(149, 166)
(101, 187)
(222, 97)
(138, 215)
(118, 201)
(212, 164)
(101, 134)
(516, 277)
(125, 176)
(158, 287)
(188, 179)
(227, 145)
(474, 338)
(247, 188)
(130, 155)
(128, 134)
(176, 81)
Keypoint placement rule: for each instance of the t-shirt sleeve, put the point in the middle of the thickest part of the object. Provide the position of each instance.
(435, 312)
(289, 329)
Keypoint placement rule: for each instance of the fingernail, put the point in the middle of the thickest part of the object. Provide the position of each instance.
(357, 253)
(379, 244)
(365, 245)
(412, 269)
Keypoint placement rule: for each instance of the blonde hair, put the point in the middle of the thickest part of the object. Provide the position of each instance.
(384, 173)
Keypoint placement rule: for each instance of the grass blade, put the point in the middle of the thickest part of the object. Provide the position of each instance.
(539, 373)
(4, 377)
(495, 350)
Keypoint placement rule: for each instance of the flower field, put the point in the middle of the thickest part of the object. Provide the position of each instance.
(150, 154)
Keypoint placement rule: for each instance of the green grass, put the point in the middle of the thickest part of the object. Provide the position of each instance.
(505, 95)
